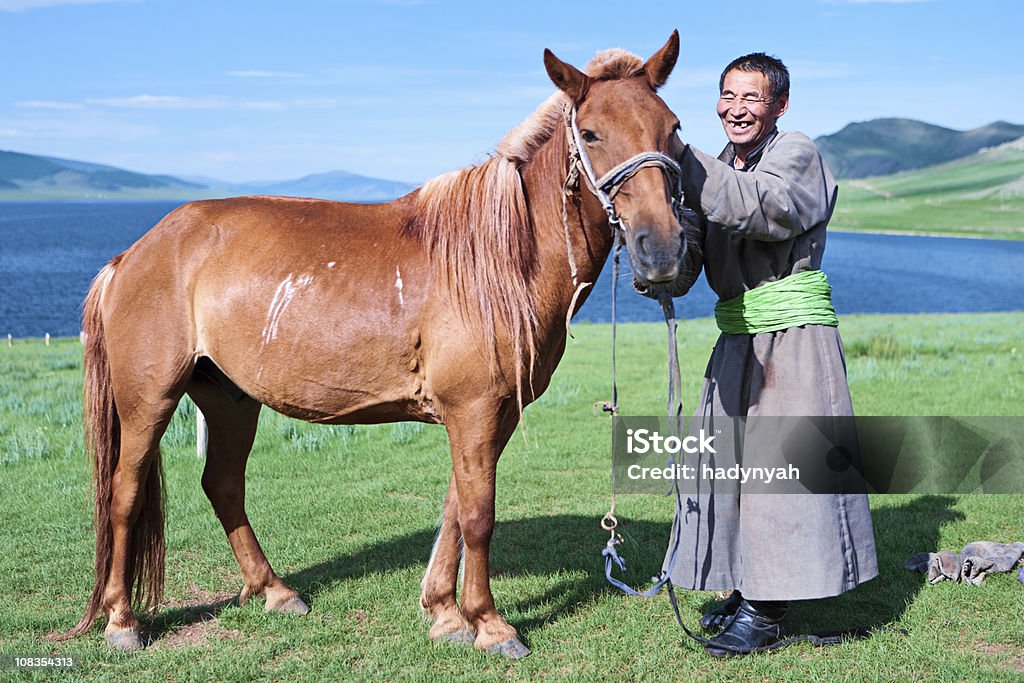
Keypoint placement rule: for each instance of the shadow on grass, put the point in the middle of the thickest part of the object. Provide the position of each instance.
(900, 531)
(571, 544)
(170, 621)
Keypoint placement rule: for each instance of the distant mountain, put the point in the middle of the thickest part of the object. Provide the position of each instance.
(337, 185)
(27, 176)
(884, 146)
(30, 175)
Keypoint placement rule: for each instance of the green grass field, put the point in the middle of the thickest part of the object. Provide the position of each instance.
(347, 516)
(981, 195)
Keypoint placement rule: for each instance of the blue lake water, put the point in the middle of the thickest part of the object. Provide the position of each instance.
(50, 251)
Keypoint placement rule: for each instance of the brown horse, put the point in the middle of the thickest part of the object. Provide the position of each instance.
(448, 305)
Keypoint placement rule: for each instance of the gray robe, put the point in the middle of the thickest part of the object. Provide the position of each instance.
(765, 222)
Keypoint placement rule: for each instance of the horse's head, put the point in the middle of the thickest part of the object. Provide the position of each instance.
(627, 136)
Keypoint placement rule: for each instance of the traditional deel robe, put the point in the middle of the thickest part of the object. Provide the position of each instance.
(764, 222)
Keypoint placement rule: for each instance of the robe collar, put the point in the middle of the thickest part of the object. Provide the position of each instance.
(728, 154)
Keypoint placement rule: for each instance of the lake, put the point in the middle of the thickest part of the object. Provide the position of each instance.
(50, 251)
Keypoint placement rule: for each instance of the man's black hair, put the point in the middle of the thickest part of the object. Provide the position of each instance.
(772, 67)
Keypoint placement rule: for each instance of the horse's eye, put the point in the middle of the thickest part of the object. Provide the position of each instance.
(589, 136)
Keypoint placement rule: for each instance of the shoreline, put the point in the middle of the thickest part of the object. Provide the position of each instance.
(1011, 236)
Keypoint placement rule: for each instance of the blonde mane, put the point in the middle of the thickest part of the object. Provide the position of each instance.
(476, 224)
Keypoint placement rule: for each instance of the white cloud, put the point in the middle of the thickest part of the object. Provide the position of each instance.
(176, 102)
(26, 5)
(256, 73)
(60, 127)
(314, 103)
(45, 104)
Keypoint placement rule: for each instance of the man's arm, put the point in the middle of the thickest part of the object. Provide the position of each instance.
(790, 190)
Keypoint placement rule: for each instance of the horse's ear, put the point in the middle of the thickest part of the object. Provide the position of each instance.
(660, 65)
(566, 77)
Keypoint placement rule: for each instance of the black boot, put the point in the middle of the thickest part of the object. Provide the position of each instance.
(716, 618)
(755, 625)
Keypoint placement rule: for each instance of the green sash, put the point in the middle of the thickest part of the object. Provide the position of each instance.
(801, 299)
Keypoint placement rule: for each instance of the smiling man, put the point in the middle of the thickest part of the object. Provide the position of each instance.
(750, 104)
(767, 199)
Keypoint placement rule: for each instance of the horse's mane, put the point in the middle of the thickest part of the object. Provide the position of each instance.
(476, 224)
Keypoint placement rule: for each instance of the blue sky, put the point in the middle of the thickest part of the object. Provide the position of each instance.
(407, 89)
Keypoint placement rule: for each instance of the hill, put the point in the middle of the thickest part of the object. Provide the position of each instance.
(884, 146)
(337, 185)
(50, 177)
(978, 195)
(27, 176)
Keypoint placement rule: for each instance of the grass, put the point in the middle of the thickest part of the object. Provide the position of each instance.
(981, 195)
(347, 516)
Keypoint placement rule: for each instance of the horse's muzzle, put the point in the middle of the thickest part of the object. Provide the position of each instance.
(655, 259)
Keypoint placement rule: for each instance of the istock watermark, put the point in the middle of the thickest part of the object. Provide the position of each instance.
(779, 455)
(642, 441)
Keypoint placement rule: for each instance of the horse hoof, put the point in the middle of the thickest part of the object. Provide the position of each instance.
(126, 639)
(293, 606)
(464, 636)
(511, 648)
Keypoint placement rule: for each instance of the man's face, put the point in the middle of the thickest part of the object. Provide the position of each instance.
(751, 115)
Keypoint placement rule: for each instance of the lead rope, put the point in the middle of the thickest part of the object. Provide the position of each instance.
(675, 409)
(609, 521)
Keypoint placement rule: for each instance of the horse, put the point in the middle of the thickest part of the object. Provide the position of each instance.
(448, 306)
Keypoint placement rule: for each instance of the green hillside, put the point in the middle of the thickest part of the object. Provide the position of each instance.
(884, 146)
(980, 195)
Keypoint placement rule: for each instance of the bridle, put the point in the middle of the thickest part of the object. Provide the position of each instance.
(607, 186)
(605, 189)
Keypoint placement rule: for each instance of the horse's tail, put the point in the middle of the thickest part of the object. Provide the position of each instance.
(103, 446)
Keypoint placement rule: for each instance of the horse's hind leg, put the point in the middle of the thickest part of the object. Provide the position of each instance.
(232, 418)
(441, 578)
(136, 522)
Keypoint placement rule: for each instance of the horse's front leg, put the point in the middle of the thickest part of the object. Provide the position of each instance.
(440, 581)
(476, 444)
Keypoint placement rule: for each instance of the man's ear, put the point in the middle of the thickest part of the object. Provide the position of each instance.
(566, 77)
(661, 63)
(781, 106)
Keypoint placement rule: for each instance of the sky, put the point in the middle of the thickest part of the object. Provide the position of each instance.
(409, 89)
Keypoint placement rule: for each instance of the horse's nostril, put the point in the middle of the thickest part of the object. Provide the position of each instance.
(642, 250)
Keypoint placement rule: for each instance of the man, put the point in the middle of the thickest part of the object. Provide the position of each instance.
(767, 199)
